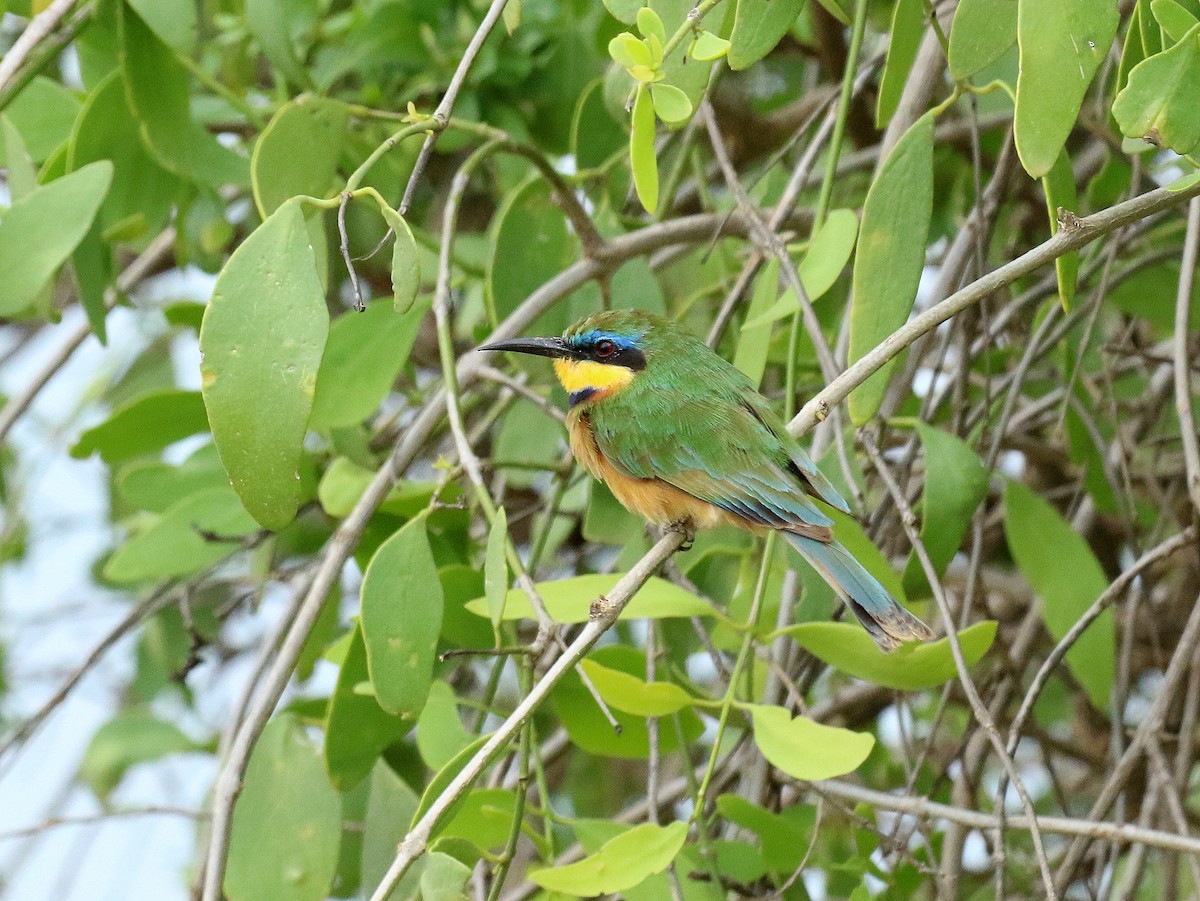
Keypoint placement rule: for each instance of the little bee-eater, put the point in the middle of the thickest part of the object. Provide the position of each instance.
(681, 437)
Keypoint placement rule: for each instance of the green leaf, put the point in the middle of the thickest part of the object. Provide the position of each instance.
(390, 806)
(298, 151)
(484, 819)
(175, 21)
(129, 738)
(1161, 102)
(1059, 187)
(364, 354)
(154, 485)
(628, 52)
(569, 600)
(532, 243)
(1174, 19)
(758, 26)
(40, 231)
(144, 425)
(441, 735)
(649, 23)
(495, 568)
(265, 327)
(197, 531)
(159, 94)
(1184, 182)
(642, 158)
(1061, 45)
(912, 667)
(401, 619)
(982, 32)
(345, 481)
(908, 27)
(1064, 573)
(357, 729)
(406, 265)
(512, 15)
(620, 864)
(443, 877)
(635, 696)
(708, 47)
(590, 729)
(755, 341)
(287, 824)
(441, 781)
(826, 257)
(43, 112)
(805, 749)
(594, 135)
(670, 104)
(22, 177)
(268, 21)
(891, 255)
(955, 485)
(107, 130)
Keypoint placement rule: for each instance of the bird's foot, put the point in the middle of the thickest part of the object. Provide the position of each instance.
(685, 528)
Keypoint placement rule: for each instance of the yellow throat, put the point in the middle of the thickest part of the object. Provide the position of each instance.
(581, 375)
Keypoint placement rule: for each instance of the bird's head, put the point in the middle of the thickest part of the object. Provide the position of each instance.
(597, 356)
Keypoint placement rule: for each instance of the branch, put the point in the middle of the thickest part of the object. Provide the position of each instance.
(931, 810)
(134, 273)
(1083, 232)
(36, 32)
(1183, 391)
(605, 611)
(446, 107)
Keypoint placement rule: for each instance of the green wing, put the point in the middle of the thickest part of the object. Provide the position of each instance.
(715, 448)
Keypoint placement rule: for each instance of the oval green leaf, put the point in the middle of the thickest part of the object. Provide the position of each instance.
(569, 600)
(908, 27)
(620, 864)
(144, 425)
(1161, 101)
(826, 257)
(287, 824)
(40, 231)
(955, 485)
(364, 354)
(357, 729)
(642, 158)
(1174, 19)
(297, 153)
(1064, 573)
(1061, 44)
(709, 47)
(891, 255)
(670, 103)
(197, 531)
(635, 696)
(129, 738)
(758, 26)
(805, 749)
(495, 568)
(982, 32)
(401, 619)
(406, 264)
(912, 667)
(262, 338)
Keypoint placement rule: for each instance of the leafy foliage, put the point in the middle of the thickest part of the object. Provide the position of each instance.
(294, 470)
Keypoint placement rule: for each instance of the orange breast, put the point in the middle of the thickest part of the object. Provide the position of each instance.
(654, 500)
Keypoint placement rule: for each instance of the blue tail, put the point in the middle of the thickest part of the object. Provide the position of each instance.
(886, 621)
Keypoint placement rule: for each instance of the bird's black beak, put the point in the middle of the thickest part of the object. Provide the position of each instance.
(541, 347)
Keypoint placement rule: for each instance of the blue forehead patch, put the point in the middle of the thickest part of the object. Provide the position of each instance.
(589, 338)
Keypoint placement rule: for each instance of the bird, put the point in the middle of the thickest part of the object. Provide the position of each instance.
(683, 438)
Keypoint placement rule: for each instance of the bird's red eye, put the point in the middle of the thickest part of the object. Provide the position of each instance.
(605, 348)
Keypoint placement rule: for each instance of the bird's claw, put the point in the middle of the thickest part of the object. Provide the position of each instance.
(685, 528)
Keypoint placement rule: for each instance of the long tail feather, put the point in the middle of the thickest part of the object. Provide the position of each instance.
(886, 621)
